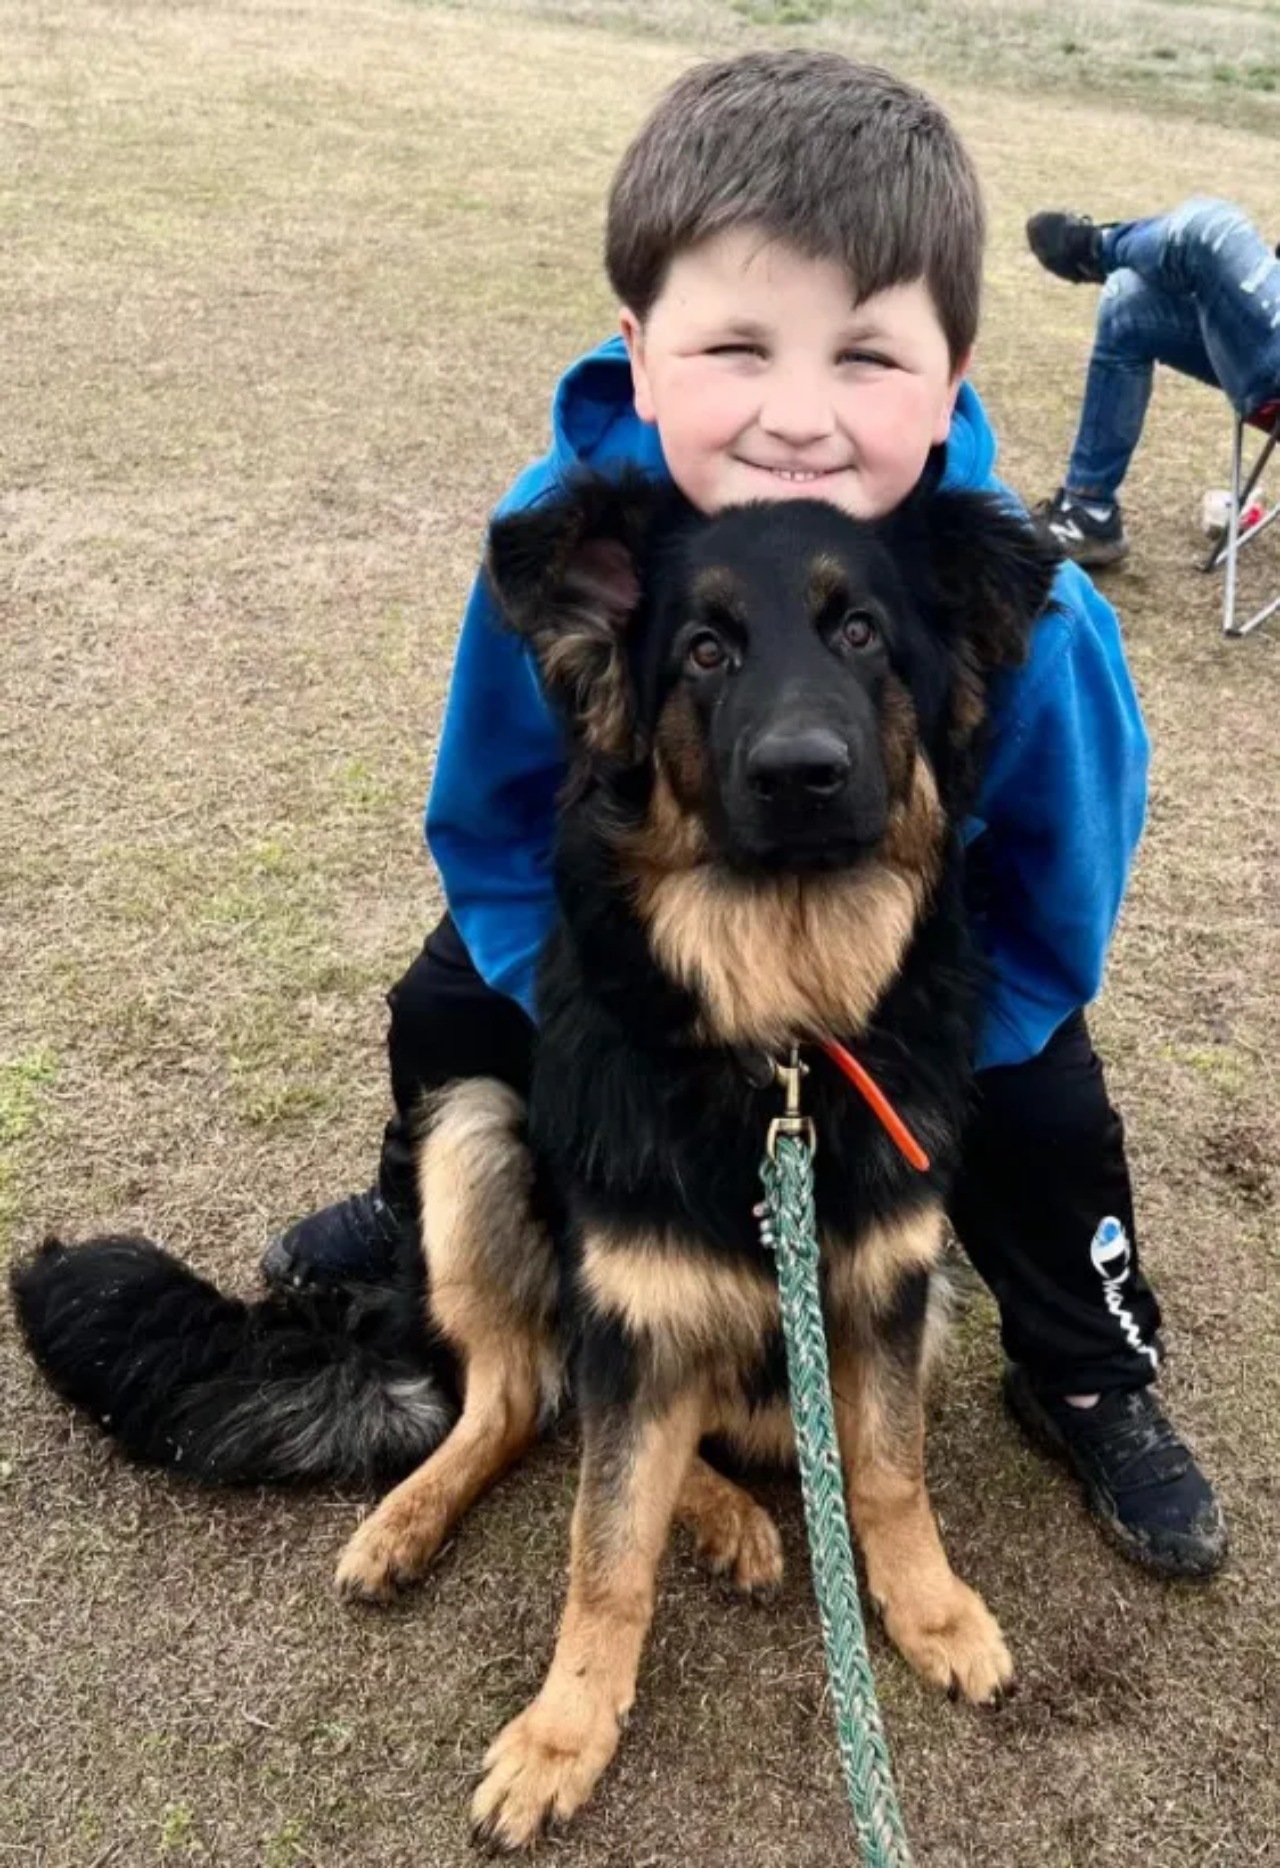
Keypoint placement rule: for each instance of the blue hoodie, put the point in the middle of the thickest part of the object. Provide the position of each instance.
(1061, 805)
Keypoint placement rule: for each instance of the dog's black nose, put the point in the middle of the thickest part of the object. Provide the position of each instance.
(798, 763)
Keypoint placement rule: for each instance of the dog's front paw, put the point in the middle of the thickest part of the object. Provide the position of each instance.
(740, 1540)
(542, 1768)
(954, 1640)
(391, 1550)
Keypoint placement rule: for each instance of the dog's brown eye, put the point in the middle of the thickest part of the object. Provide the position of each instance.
(706, 652)
(857, 629)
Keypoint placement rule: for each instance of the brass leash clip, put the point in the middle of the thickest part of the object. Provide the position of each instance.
(791, 1122)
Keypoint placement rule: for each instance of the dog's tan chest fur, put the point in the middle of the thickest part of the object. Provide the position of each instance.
(783, 958)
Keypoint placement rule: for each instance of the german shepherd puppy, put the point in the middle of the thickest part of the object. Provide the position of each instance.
(775, 719)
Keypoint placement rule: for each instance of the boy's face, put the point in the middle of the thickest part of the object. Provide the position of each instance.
(765, 382)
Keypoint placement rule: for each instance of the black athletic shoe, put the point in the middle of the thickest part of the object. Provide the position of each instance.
(1091, 534)
(1068, 245)
(354, 1240)
(1139, 1478)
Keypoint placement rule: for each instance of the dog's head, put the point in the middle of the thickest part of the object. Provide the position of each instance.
(780, 668)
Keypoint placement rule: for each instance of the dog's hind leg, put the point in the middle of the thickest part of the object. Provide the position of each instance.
(732, 1534)
(941, 1625)
(546, 1763)
(492, 1292)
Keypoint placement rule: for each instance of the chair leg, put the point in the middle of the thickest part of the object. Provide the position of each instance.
(1252, 536)
(1227, 550)
(1233, 529)
(1254, 622)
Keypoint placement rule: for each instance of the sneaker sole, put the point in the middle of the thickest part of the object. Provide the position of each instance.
(1043, 1431)
(1073, 275)
(1099, 557)
(1091, 554)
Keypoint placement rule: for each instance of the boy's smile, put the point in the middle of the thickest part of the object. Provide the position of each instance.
(765, 382)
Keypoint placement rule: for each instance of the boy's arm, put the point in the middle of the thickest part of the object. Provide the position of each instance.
(501, 760)
(1063, 801)
(491, 812)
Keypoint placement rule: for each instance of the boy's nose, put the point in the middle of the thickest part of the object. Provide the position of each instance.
(796, 410)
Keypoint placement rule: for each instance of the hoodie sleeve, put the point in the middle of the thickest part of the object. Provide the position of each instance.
(501, 759)
(1062, 808)
(491, 813)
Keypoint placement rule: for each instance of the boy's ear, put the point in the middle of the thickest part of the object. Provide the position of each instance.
(959, 371)
(567, 576)
(991, 573)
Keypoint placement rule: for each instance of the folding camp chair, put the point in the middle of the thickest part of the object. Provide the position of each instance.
(1228, 548)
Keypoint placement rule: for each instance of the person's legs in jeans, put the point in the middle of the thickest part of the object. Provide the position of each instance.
(1138, 326)
(446, 1023)
(1197, 290)
(1209, 254)
(1043, 1205)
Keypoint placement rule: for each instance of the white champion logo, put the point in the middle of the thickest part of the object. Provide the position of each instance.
(1112, 1257)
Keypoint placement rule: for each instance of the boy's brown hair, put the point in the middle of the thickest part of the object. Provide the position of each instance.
(841, 161)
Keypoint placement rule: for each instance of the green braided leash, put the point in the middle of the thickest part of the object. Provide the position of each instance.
(789, 1228)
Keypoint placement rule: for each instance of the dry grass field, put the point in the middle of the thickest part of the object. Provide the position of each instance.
(285, 287)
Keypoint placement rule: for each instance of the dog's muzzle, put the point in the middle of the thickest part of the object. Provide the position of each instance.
(805, 796)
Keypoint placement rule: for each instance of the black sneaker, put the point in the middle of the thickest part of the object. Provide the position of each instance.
(1140, 1479)
(354, 1240)
(1068, 245)
(1091, 533)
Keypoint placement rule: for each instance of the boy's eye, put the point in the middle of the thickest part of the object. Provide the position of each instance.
(857, 629)
(735, 350)
(872, 357)
(705, 652)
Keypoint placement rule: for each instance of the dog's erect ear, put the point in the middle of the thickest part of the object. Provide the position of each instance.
(567, 575)
(991, 573)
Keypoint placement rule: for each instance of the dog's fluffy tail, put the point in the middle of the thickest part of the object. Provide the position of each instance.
(347, 1387)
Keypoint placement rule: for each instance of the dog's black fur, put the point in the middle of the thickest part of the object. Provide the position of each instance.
(645, 1123)
(331, 1386)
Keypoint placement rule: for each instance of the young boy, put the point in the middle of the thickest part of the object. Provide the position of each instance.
(796, 243)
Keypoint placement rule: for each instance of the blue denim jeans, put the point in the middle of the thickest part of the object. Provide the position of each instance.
(1198, 290)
